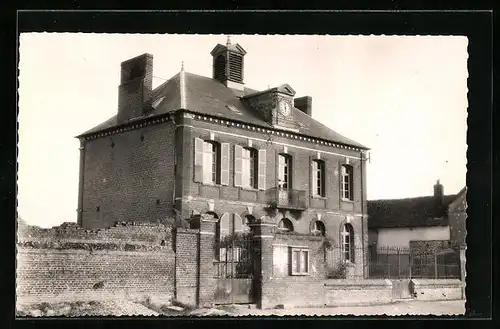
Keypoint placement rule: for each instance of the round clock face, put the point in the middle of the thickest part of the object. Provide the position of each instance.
(285, 108)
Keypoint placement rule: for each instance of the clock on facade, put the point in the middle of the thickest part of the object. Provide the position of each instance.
(284, 108)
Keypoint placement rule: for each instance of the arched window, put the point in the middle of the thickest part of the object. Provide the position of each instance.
(318, 227)
(247, 220)
(347, 239)
(223, 231)
(285, 225)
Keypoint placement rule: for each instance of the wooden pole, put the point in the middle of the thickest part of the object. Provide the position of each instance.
(435, 267)
(399, 265)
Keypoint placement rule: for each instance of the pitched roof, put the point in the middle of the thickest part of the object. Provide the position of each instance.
(409, 212)
(207, 96)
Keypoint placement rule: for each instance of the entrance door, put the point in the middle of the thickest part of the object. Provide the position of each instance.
(234, 269)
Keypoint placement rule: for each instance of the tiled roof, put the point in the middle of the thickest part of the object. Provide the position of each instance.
(410, 212)
(208, 96)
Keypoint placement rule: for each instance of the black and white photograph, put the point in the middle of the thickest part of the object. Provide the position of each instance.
(241, 175)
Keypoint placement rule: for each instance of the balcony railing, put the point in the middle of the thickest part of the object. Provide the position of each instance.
(287, 198)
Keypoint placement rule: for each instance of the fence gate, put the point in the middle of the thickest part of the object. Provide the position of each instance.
(234, 270)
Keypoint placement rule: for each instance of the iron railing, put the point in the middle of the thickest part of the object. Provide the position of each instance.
(395, 263)
(287, 198)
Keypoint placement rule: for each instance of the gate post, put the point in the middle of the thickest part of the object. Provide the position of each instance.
(262, 236)
(206, 255)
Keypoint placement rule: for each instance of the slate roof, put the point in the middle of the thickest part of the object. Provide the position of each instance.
(409, 212)
(208, 96)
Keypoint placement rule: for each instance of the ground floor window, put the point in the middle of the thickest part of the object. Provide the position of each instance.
(299, 261)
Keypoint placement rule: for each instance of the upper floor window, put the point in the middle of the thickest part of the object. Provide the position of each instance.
(211, 162)
(249, 167)
(346, 191)
(347, 238)
(284, 171)
(318, 178)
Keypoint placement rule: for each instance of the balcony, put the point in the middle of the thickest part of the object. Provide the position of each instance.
(287, 198)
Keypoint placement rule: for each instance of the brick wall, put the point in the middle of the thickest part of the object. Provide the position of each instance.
(283, 288)
(129, 177)
(357, 292)
(68, 263)
(186, 266)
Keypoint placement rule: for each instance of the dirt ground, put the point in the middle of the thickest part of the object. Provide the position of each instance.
(413, 307)
(129, 308)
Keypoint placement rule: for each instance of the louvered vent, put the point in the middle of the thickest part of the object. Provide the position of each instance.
(235, 68)
(220, 68)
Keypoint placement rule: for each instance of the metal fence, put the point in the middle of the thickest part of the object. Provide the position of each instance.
(234, 256)
(394, 263)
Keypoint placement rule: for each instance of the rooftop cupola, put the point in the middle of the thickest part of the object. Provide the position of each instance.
(228, 64)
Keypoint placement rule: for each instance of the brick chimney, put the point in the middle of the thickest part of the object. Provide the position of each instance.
(304, 104)
(136, 84)
(439, 193)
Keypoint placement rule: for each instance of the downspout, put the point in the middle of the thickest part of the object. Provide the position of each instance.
(363, 216)
(80, 183)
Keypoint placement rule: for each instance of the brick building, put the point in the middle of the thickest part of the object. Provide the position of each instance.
(197, 146)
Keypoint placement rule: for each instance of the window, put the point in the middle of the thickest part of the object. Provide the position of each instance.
(284, 171)
(210, 162)
(346, 182)
(318, 227)
(249, 168)
(318, 178)
(285, 225)
(299, 261)
(347, 238)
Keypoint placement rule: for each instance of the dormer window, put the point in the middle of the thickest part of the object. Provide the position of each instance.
(234, 109)
(157, 102)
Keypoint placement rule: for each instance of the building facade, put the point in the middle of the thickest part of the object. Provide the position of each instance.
(196, 145)
(397, 223)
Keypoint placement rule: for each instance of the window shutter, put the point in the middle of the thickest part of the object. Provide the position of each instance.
(312, 178)
(224, 166)
(262, 170)
(238, 150)
(198, 160)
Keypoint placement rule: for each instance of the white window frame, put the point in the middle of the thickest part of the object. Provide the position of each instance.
(210, 161)
(318, 168)
(343, 233)
(303, 266)
(249, 175)
(346, 171)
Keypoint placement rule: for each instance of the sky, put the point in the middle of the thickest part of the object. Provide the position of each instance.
(405, 97)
